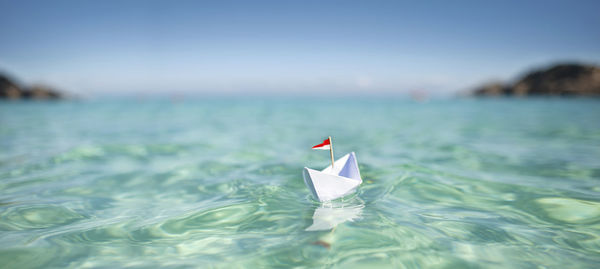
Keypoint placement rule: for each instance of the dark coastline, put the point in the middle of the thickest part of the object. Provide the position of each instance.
(564, 80)
(9, 89)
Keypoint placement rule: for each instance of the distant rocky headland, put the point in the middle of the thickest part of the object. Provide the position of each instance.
(9, 89)
(557, 80)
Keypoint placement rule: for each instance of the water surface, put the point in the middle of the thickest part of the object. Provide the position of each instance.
(217, 183)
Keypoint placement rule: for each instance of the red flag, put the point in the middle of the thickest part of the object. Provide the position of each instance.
(325, 145)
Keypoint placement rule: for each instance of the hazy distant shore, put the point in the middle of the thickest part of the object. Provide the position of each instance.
(9, 89)
(557, 80)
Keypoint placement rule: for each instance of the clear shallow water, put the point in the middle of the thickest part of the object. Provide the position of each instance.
(216, 183)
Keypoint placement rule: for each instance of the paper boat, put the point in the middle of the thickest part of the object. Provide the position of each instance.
(328, 184)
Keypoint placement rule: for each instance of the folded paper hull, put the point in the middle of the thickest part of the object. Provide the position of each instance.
(331, 184)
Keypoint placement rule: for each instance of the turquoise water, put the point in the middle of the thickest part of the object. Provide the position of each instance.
(217, 184)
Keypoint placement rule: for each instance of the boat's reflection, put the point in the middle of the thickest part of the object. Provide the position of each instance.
(330, 214)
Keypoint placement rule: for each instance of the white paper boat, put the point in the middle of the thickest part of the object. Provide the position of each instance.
(328, 216)
(327, 185)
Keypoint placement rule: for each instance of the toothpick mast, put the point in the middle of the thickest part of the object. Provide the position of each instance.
(331, 151)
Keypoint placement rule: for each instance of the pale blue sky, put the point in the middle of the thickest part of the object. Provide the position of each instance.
(289, 47)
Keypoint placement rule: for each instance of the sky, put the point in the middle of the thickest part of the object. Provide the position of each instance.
(289, 47)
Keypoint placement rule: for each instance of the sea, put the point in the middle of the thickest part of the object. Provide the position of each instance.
(217, 183)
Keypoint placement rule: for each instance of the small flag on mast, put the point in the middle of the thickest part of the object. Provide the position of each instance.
(326, 145)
